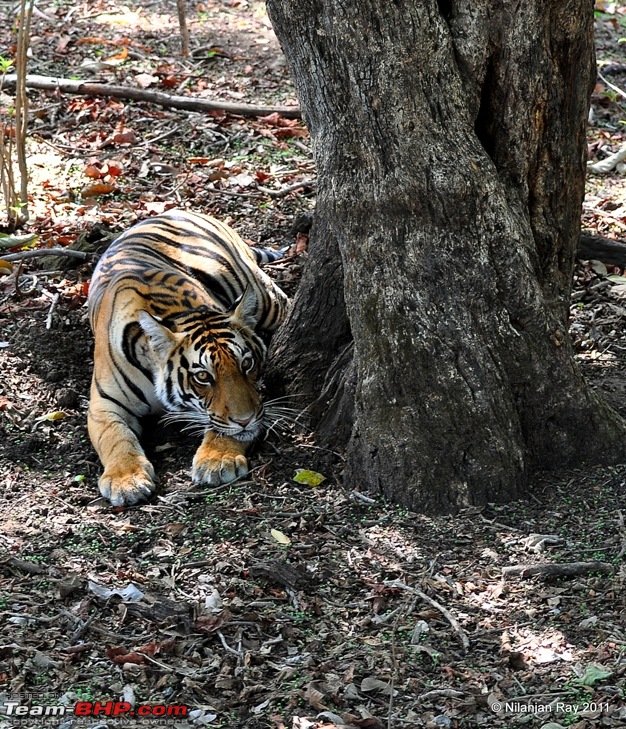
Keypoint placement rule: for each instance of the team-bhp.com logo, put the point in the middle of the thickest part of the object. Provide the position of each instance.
(95, 708)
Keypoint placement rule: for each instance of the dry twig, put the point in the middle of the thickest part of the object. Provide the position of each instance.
(21, 107)
(53, 306)
(184, 30)
(39, 252)
(622, 532)
(438, 606)
(569, 569)
(284, 191)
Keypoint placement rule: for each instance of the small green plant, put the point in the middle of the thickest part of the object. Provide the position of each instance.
(5, 65)
(611, 95)
(84, 694)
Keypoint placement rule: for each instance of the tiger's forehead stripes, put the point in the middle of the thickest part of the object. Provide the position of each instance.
(221, 353)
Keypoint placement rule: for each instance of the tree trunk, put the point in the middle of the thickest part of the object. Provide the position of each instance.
(449, 139)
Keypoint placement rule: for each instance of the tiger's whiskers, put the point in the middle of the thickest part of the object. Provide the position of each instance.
(192, 422)
(282, 418)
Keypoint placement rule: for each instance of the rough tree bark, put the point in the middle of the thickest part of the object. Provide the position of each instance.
(449, 139)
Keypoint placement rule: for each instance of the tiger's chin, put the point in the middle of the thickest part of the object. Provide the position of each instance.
(243, 436)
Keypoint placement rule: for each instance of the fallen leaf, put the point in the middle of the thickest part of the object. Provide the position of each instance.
(171, 81)
(55, 415)
(213, 602)
(243, 179)
(280, 537)
(69, 584)
(291, 133)
(315, 698)
(276, 120)
(41, 660)
(130, 593)
(335, 720)
(150, 649)
(593, 674)
(375, 684)
(94, 171)
(155, 208)
(121, 56)
(17, 241)
(90, 39)
(98, 188)
(62, 43)
(211, 623)
(126, 136)
(310, 478)
(119, 655)
(114, 168)
(144, 80)
(369, 722)
(546, 655)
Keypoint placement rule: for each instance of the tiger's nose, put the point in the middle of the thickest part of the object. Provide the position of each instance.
(243, 421)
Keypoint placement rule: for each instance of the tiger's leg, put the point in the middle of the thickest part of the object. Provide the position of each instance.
(219, 459)
(128, 476)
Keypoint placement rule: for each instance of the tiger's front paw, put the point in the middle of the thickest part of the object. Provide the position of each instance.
(127, 489)
(215, 467)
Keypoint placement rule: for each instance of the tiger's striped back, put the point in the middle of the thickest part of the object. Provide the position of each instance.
(186, 260)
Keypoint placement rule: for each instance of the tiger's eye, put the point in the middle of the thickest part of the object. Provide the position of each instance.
(203, 377)
(247, 363)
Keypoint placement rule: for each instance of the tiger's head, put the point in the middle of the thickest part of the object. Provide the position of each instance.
(206, 366)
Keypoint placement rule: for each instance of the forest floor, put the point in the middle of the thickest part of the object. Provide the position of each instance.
(269, 603)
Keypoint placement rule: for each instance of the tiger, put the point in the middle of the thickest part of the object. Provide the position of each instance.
(180, 312)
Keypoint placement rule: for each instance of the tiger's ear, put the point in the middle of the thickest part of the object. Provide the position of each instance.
(245, 308)
(161, 338)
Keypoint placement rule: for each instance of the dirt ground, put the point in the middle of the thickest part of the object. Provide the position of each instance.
(269, 603)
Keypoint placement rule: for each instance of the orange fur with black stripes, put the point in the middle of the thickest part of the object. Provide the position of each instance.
(178, 305)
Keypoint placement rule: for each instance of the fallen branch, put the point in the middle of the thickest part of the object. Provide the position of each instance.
(284, 191)
(445, 693)
(594, 247)
(23, 565)
(613, 68)
(569, 569)
(39, 252)
(188, 103)
(433, 603)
